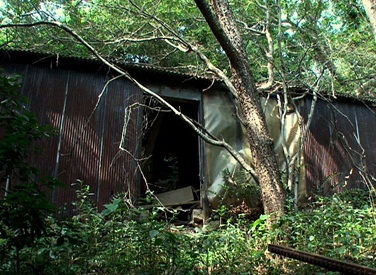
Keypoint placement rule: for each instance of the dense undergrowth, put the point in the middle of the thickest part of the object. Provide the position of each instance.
(124, 240)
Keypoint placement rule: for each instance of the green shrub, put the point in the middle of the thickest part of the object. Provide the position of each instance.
(342, 227)
(23, 207)
(125, 240)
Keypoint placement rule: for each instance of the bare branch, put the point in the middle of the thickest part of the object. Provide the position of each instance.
(251, 29)
(186, 47)
(215, 142)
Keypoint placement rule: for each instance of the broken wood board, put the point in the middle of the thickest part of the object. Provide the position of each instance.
(176, 197)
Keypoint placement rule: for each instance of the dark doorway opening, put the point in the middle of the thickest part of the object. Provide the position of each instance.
(171, 148)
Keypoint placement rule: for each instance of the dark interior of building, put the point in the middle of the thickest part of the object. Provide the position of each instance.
(171, 149)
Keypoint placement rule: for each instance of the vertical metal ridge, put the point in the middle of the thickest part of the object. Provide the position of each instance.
(332, 151)
(61, 130)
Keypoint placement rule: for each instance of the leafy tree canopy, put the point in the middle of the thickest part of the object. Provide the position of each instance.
(300, 42)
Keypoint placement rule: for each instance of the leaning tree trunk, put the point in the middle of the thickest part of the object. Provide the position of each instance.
(222, 24)
(370, 8)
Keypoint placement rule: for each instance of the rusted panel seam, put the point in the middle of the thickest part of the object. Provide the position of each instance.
(101, 148)
(61, 133)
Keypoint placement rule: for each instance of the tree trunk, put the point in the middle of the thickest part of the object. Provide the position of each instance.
(223, 26)
(370, 8)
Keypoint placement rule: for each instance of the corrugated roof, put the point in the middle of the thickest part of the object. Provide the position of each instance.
(95, 65)
(90, 63)
(297, 91)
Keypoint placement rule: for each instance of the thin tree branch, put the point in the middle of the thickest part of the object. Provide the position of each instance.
(215, 142)
(186, 47)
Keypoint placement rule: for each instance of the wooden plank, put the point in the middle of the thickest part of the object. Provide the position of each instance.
(176, 197)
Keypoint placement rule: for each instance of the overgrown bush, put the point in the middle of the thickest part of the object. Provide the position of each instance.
(125, 240)
(342, 226)
(23, 205)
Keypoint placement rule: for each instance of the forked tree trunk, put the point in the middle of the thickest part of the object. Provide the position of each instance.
(221, 21)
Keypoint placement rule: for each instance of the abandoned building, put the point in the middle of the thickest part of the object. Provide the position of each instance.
(95, 112)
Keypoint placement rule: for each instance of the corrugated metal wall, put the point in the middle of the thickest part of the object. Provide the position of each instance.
(340, 149)
(88, 149)
(85, 149)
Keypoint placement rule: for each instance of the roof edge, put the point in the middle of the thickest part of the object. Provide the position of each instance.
(94, 65)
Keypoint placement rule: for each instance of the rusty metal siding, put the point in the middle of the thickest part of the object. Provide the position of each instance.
(121, 171)
(79, 156)
(332, 153)
(44, 89)
(89, 148)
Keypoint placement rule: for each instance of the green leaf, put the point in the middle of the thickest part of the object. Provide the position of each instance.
(264, 217)
(153, 233)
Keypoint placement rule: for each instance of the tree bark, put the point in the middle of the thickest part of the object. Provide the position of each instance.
(370, 8)
(221, 21)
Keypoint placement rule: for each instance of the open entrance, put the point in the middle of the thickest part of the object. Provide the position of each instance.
(172, 151)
